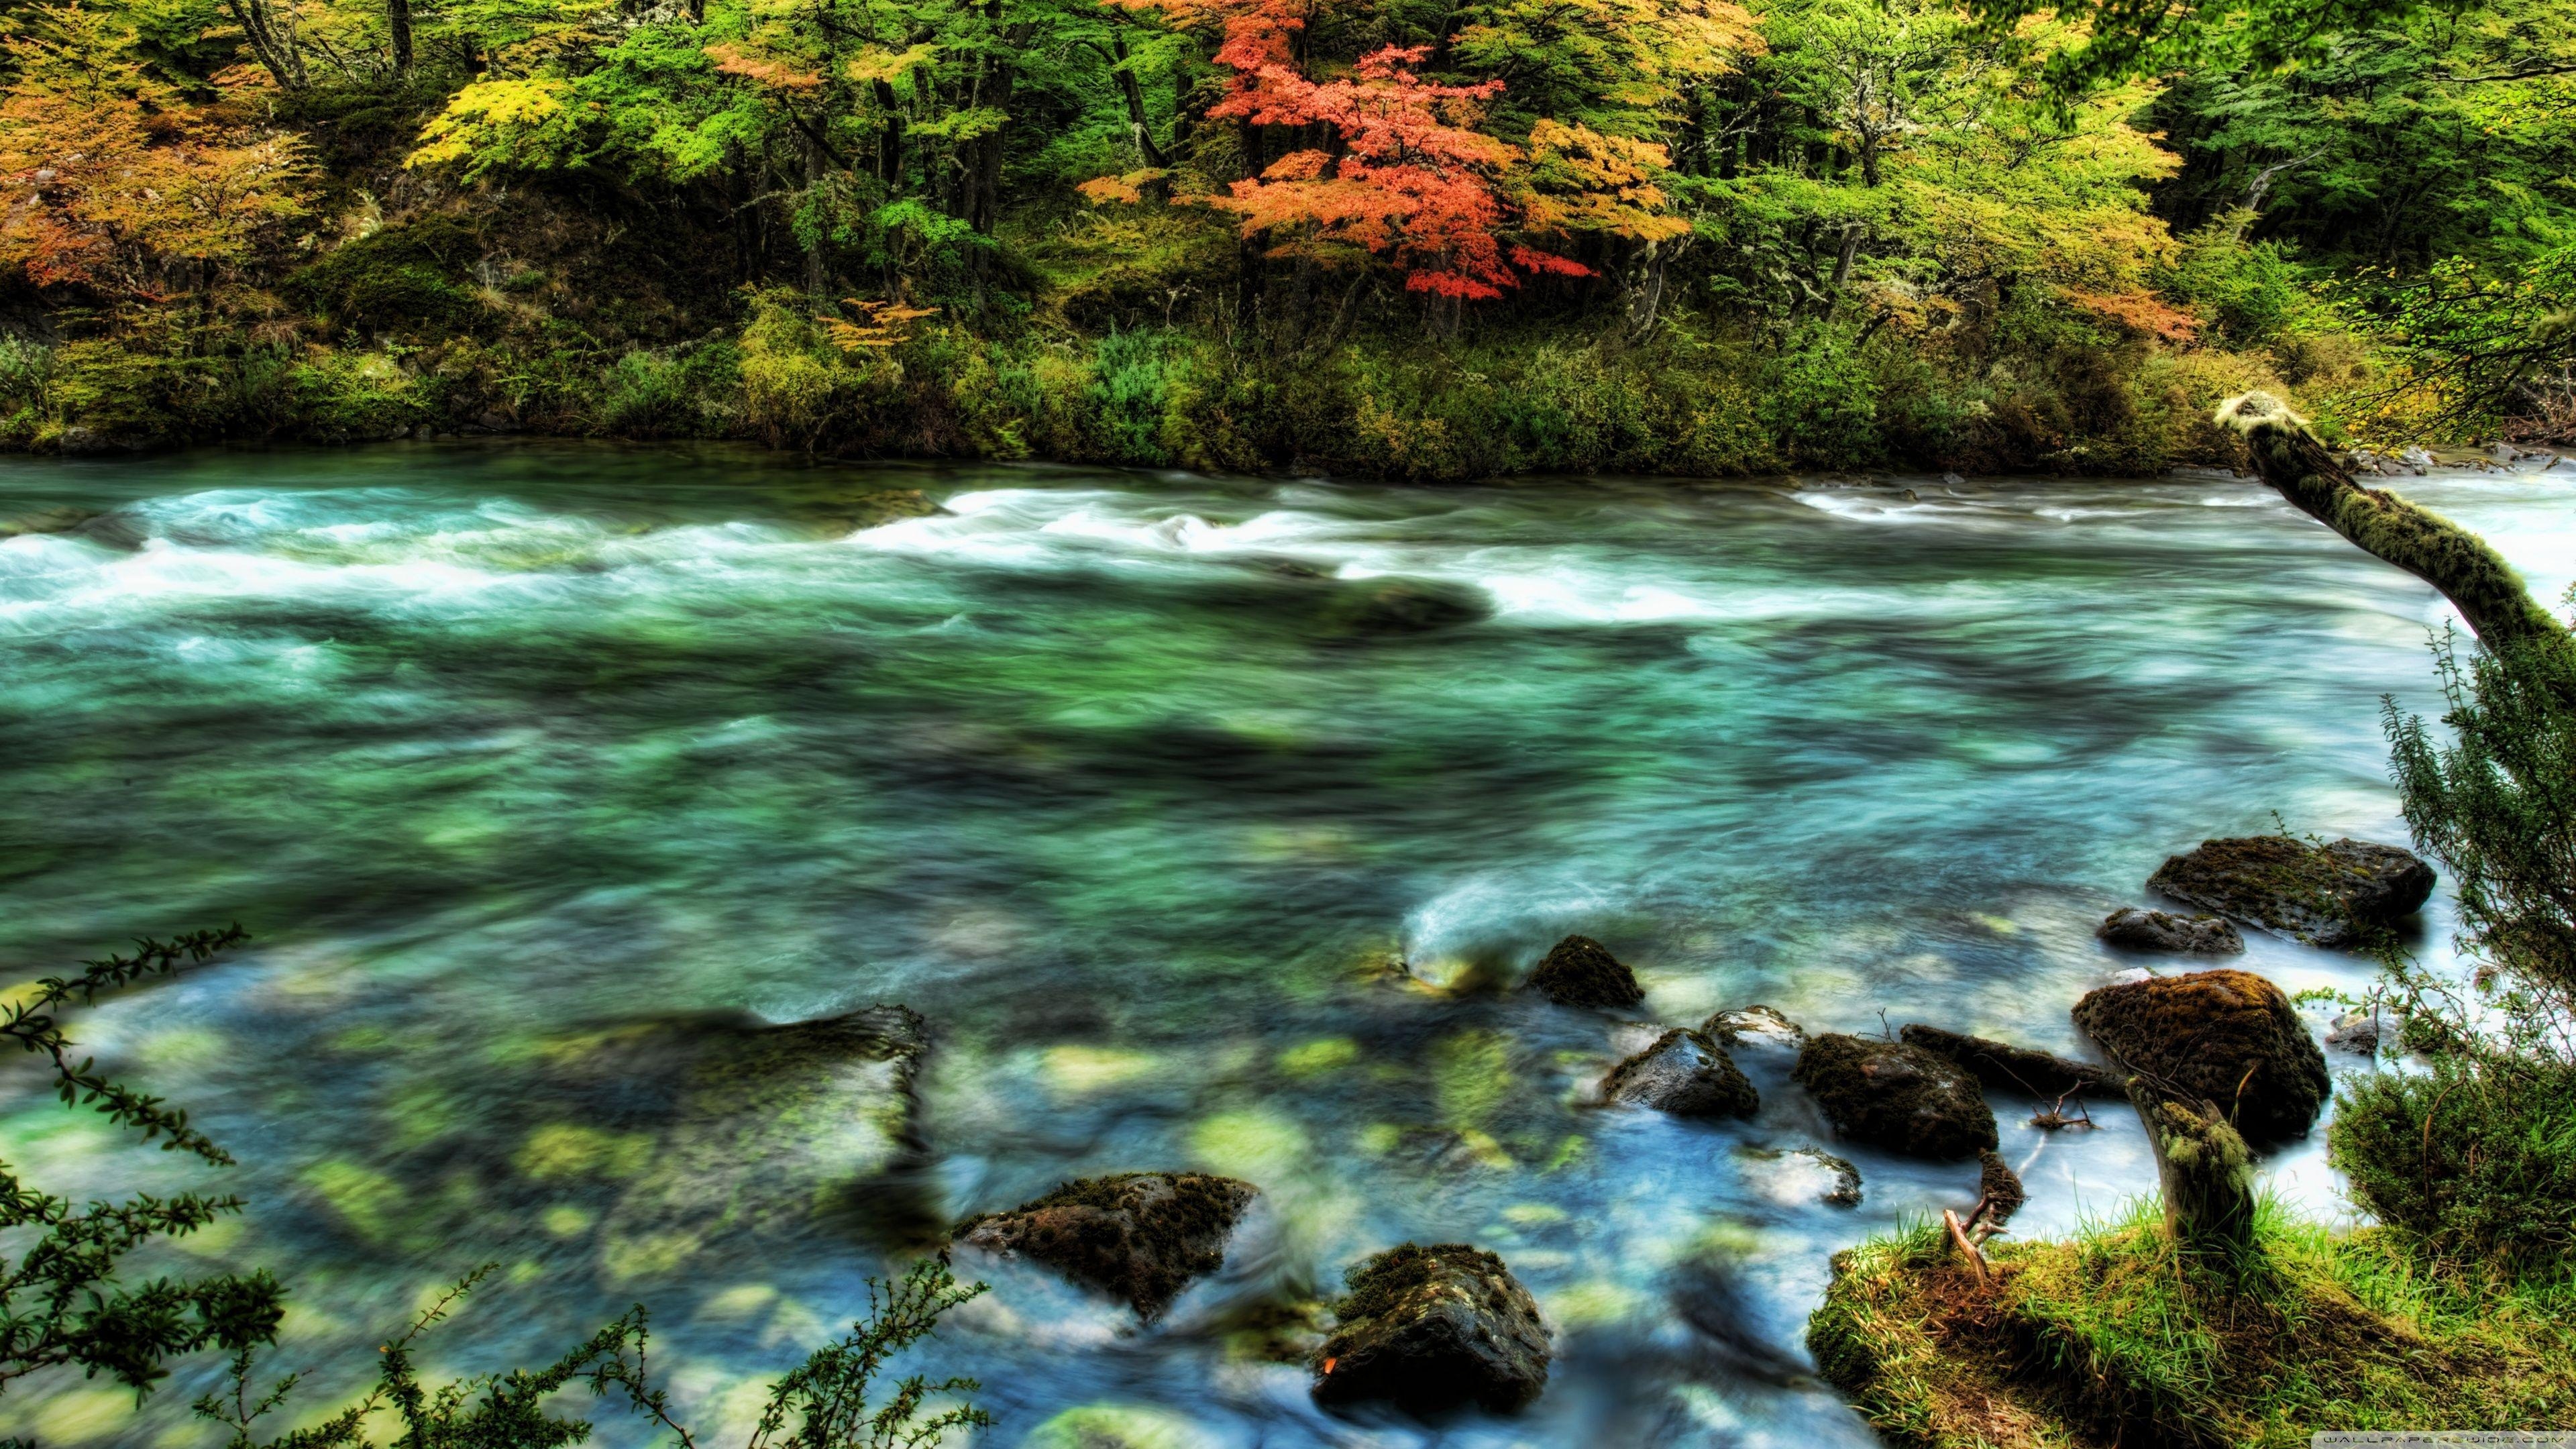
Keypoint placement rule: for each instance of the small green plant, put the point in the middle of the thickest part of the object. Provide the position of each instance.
(63, 1304)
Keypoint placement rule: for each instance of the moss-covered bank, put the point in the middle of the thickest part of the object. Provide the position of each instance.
(2112, 1338)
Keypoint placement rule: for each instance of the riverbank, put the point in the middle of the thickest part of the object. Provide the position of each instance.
(2110, 1337)
(1510, 398)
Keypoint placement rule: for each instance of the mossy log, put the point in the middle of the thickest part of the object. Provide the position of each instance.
(2473, 576)
(2204, 1170)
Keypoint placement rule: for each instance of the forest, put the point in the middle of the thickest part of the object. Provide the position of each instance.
(1382, 237)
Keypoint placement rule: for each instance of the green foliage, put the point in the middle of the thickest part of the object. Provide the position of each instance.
(63, 1303)
(2473, 1160)
(2496, 807)
(823, 1403)
(399, 279)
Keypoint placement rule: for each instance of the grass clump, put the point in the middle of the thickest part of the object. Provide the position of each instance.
(2114, 1338)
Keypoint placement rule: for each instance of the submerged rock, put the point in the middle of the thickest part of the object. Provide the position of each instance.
(1895, 1096)
(2329, 895)
(1580, 971)
(1402, 606)
(1803, 1174)
(1432, 1328)
(1143, 1236)
(2225, 1036)
(1998, 1064)
(767, 1128)
(2133, 929)
(1683, 1073)
(62, 518)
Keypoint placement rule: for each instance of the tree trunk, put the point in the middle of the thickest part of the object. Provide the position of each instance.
(1151, 154)
(272, 42)
(398, 22)
(2489, 594)
(2203, 1167)
(818, 282)
(889, 140)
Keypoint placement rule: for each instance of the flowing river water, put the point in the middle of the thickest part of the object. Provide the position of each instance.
(1191, 848)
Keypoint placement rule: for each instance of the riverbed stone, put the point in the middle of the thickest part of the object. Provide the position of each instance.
(2134, 929)
(1431, 1328)
(2224, 1036)
(2334, 895)
(1392, 606)
(763, 1127)
(1142, 1236)
(62, 518)
(1899, 1097)
(1580, 971)
(2012, 1068)
(1685, 1074)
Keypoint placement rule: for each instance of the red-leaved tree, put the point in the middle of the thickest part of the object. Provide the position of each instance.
(1408, 178)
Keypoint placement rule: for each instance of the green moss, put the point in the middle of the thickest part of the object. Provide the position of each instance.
(2113, 1338)
(400, 279)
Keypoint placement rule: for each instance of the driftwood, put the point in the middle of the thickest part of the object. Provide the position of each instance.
(2473, 576)
(2205, 1171)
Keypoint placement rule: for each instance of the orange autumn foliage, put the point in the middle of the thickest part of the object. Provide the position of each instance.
(2140, 313)
(112, 180)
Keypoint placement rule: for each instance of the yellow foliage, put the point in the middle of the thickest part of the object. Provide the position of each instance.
(488, 121)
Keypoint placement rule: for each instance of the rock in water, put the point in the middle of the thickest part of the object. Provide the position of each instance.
(769, 1127)
(1432, 1328)
(2329, 895)
(2015, 1069)
(2132, 929)
(1846, 1188)
(1580, 971)
(1895, 1096)
(1143, 1236)
(2355, 1031)
(1683, 1073)
(2225, 1036)
(1402, 606)
(1759, 1029)
(1998, 1187)
(62, 518)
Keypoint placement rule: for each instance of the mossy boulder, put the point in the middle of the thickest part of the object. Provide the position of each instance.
(1580, 971)
(2334, 895)
(1433, 1328)
(2133, 929)
(2012, 1068)
(1683, 1073)
(2227, 1037)
(1899, 1097)
(1143, 1236)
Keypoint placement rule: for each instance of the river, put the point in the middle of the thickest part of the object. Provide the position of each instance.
(500, 750)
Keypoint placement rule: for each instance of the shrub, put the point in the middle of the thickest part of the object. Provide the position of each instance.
(399, 279)
(2474, 1160)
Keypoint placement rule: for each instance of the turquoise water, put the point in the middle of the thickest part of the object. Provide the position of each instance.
(504, 751)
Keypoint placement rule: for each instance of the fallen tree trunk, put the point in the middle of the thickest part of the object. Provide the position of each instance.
(2488, 593)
